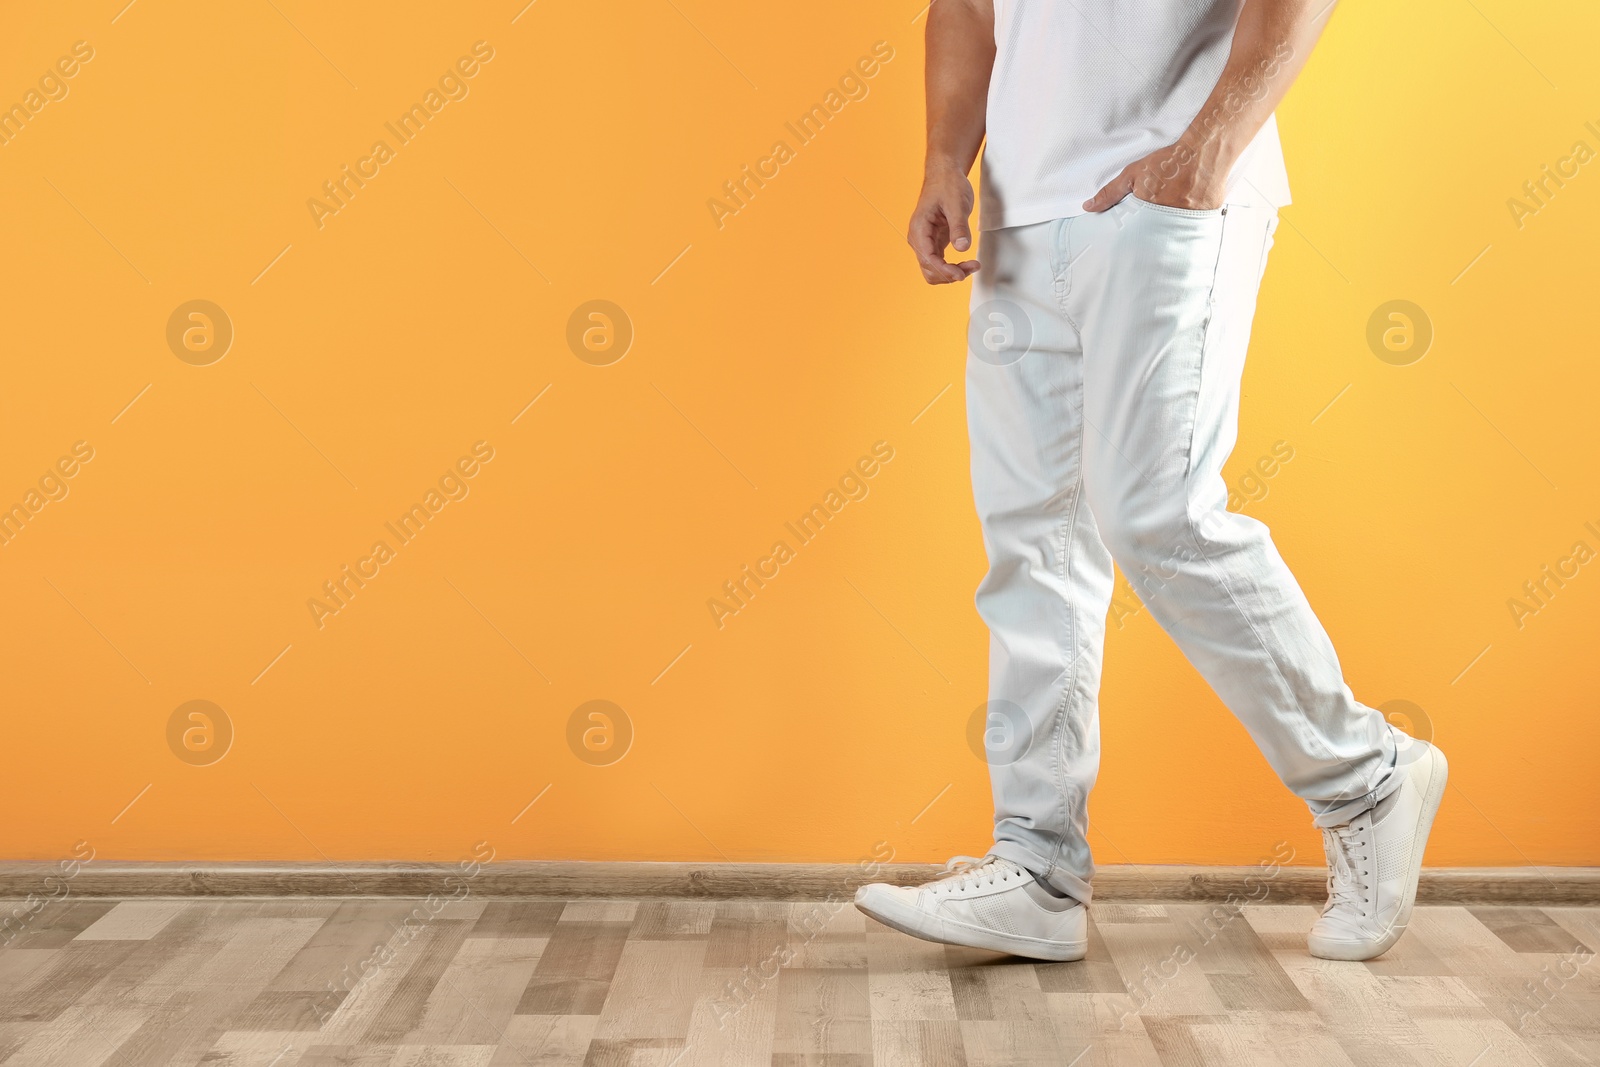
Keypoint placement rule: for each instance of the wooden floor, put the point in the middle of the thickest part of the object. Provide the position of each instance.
(473, 982)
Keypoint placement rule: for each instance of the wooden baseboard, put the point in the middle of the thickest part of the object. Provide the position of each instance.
(770, 881)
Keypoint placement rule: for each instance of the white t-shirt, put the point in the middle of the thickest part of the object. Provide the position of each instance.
(1082, 88)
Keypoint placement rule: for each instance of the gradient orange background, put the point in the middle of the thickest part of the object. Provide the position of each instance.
(768, 356)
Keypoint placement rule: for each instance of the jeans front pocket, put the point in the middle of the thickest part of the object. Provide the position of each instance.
(1181, 212)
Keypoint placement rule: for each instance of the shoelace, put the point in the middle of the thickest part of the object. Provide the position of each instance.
(1345, 886)
(965, 872)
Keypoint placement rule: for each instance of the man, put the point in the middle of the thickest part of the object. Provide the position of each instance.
(1130, 190)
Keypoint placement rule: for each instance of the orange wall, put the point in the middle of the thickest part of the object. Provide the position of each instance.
(373, 347)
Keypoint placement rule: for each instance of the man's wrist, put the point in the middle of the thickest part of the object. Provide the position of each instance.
(940, 165)
(1207, 155)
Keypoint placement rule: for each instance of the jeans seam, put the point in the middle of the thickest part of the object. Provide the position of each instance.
(1065, 533)
(1070, 682)
(1194, 532)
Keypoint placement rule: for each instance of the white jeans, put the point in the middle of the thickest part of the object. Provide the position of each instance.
(1105, 353)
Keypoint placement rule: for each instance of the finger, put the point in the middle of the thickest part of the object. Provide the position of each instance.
(1114, 191)
(941, 273)
(922, 237)
(960, 233)
(959, 272)
(951, 230)
(938, 228)
(934, 268)
(930, 235)
(927, 240)
(953, 272)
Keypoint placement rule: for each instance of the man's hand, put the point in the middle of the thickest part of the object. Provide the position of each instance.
(960, 58)
(1178, 175)
(1270, 45)
(940, 219)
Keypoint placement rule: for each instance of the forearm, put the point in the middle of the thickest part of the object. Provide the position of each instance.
(1270, 46)
(960, 39)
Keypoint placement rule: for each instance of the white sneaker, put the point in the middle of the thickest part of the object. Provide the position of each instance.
(990, 903)
(1374, 861)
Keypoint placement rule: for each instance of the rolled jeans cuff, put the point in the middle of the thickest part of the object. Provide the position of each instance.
(1059, 878)
(1394, 776)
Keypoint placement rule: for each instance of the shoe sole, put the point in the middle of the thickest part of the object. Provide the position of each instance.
(1356, 951)
(948, 932)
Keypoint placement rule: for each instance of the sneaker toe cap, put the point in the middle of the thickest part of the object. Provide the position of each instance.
(881, 896)
(1337, 928)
